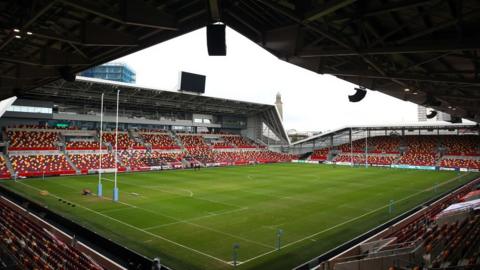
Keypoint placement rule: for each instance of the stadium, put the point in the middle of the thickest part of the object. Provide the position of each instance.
(100, 174)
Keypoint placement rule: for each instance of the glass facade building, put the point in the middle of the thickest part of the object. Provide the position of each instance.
(112, 71)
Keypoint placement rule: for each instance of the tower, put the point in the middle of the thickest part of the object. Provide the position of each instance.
(279, 105)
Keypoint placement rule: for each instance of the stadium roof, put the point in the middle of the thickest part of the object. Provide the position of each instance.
(414, 126)
(86, 93)
(430, 47)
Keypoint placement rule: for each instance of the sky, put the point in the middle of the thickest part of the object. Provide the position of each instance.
(311, 102)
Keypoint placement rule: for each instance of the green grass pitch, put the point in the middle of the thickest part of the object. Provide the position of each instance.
(191, 219)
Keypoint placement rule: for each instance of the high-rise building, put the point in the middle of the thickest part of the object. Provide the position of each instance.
(421, 113)
(111, 71)
(279, 104)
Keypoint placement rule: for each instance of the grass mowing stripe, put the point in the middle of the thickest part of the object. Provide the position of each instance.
(174, 193)
(188, 222)
(134, 227)
(197, 218)
(300, 199)
(197, 225)
(351, 220)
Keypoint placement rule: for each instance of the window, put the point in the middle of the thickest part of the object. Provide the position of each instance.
(29, 109)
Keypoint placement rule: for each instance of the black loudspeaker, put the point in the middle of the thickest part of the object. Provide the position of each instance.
(216, 40)
(359, 95)
(432, 114)
(67, 74)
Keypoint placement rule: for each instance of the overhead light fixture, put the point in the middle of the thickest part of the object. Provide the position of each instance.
(16, 30)
(29, 33)
(454, 109)
(18, 36)
(407, 90)
(449, 107)
(415, 93)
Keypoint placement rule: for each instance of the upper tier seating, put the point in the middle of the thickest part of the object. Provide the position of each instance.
(461, 145)
(85, 162)
(124, 141)
(37, 248)
(159, 141)
(421, 151)
(32, 140)
(83, 145)
(421, 144)
(190, 141)
(240, 142)
(37, 165)
(385, 144)
(221, 145)
(377, 144)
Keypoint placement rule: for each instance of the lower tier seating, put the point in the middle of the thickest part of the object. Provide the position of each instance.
(460, 163)
(4, 173)
(85, 162)
(163, 158)
(35, 247)
(418, 159)
(37, 165)
(376, 159)
(320, 154)
(32, 140)
(159, 141)
(240, 142)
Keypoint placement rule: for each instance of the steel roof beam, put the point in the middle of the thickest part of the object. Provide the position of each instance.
(129, 14)
(328, 8)
(386, 9)
(400, 77)
(426, 47)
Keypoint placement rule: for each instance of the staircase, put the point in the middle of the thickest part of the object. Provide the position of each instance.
(135, 136)
(177, 140)
(8, 164)
(305, 156)
(77, 171)
(395, 161)
(438, 161)
(119, 161)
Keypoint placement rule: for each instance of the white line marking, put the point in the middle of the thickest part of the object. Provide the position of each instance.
(89, 248)
(211, 214)
(351, 220)
(175, 193)
(114, 210)
(197, 225)
(190, 193)
(131, 226)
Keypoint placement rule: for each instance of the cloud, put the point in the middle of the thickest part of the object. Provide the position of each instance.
(249, 73)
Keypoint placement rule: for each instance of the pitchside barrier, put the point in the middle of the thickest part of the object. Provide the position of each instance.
(316, 262)
(118, 253)
(396, 166)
